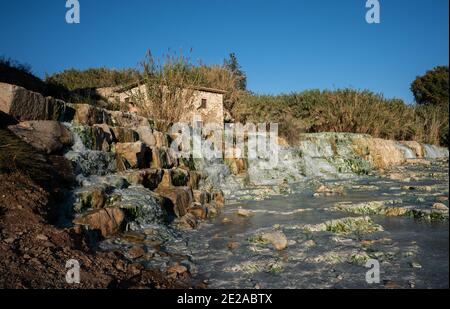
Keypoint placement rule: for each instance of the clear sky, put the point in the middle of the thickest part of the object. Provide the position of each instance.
(282, 45)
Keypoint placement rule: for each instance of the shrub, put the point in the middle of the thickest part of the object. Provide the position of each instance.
(166, 91)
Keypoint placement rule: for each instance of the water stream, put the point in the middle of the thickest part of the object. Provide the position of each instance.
(227, 251)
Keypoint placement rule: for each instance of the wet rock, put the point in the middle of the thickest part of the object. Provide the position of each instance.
(440, 206)
(146, 135)
(180, 197)
(198, 210)
(47, 136)
(132, 155)
(211, 210)
(309, 243)
(177, 269)
(136, 252)
(218, 197)
(102, 137)
(92, 197)
(324, 190)
(107, 220)
(226, 220)
(277, 239)
(125, 135)
(442, 199)
(88, 115)
(149, 178)
(244, 212)
(201, 196)
(188, 221)
(162, 158)
(194, 179)
(233, 245)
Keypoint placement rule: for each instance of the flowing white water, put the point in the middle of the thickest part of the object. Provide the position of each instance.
(407, 152)
(434, 152)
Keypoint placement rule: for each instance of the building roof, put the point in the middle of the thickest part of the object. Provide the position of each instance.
(199, 88)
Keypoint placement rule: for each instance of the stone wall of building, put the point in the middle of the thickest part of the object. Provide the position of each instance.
(208, 105)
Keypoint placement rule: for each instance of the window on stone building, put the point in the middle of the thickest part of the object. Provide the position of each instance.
(203, 105)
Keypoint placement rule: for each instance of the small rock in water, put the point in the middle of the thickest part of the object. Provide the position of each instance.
(136, 252)
(440, 206)
(442, 199)
(244, 212)
(309, 243)
(226, 220)
(277, 239)
(416, 265)
(177, 269)
(232, 245)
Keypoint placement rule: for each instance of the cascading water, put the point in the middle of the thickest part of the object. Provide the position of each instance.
(433, 152)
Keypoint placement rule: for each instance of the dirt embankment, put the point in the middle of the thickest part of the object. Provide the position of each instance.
(33, 251)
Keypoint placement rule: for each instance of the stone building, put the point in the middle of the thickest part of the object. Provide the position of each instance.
(207, 102)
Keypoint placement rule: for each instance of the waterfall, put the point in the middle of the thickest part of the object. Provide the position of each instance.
(434, 152)
(407, 152)
(85, 161)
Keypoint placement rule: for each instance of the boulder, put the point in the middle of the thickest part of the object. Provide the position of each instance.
(146, 135)
(198, 210)
(102, 137)
(277, 239)
(188, 221)
(244, 212)
(218, 197)
(107, 220)
(22, 104)
(201, 196)
(440, 207)
(161, 139)
(194, 179)
(150, 178)
(47, 136)
(125, 135)
(88, 115)
(180, 198)
(161, 158)
(132, 155)
(125, 119)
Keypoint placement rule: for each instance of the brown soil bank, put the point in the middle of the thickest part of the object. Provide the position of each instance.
(33, 252)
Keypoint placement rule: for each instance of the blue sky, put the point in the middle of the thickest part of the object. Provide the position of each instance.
(282, 45)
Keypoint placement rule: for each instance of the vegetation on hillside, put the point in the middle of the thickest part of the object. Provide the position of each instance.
(74, 79)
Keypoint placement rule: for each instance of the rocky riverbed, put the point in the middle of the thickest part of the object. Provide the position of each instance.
(135, 215)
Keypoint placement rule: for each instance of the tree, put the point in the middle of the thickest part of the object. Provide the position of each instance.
(232, 64)
(432, 88)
